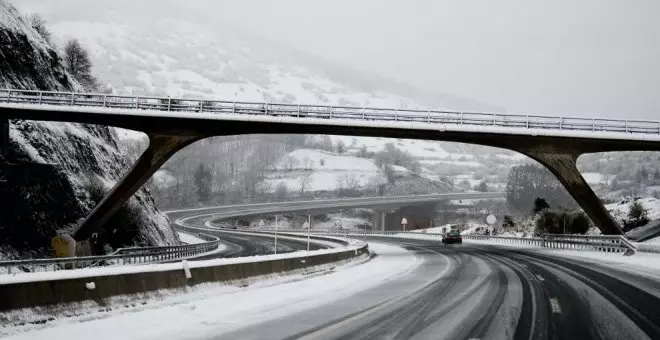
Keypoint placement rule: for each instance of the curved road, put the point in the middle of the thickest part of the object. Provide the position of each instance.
(238, 245)
(484, 292)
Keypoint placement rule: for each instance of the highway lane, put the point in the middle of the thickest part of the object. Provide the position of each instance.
(238, 245)
(484, 292)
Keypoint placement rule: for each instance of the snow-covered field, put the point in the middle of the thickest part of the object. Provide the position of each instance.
(317, 170)
(199, 312)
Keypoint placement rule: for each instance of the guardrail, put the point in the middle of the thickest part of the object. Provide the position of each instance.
(167, 104)
(601, 243)
(124, 256)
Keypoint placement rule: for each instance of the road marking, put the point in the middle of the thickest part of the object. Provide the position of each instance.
(554, 304)
(540, 277)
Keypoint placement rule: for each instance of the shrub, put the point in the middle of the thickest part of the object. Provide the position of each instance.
(560, 222)
(508, 223)
(540, 204)
(637, 216)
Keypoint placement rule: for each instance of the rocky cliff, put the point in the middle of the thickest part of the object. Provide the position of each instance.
(54, 173)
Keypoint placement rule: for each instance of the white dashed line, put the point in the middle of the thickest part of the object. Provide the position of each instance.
(554, 304)
(540, 278)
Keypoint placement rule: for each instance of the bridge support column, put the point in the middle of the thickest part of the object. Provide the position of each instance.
(564, 167)
(379, 220)
(160, 149)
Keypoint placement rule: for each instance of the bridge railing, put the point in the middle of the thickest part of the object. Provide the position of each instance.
(123, 256)
(445, 117)
(600, 243)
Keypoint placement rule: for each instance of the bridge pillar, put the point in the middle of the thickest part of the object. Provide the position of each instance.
(160, 149)
(564, 167)
(379, 220)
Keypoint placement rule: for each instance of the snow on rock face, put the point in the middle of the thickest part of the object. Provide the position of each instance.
(28, 62)
(44, 182)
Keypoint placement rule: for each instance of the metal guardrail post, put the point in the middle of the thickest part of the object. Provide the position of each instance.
(73, 99)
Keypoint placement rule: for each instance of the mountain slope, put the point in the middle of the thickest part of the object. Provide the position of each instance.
(45, 180)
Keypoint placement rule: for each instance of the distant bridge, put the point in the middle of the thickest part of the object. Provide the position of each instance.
(173, 123)
(380, 205)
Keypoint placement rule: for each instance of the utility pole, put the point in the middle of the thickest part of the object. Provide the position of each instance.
(309, 227)
(275, 234)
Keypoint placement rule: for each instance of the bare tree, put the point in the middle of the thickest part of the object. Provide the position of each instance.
(289, 163)
(305, 181)
(364, 152)
(308, 163)
(341, 147)
(351, 181)
(77, 62)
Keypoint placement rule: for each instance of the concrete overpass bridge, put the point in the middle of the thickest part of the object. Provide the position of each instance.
(171, 124)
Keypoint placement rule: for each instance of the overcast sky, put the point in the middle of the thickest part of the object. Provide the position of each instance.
(583, 57)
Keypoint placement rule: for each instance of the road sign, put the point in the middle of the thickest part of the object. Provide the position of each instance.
(490, 219)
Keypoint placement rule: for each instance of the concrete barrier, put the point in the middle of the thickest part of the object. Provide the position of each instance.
(51, 292)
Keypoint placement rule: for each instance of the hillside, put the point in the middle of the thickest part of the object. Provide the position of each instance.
(315, 170)
(309, 170)
(46, 178)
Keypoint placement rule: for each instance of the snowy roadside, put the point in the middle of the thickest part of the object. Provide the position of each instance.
(155, 267)
(641, 262)
(213, 309)
(189, 238)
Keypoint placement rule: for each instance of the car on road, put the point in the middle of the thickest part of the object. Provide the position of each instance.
(452, 236)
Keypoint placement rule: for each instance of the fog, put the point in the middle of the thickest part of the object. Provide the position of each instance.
(559, 57)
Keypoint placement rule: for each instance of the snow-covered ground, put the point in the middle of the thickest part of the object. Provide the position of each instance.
(620, 210)
(199, 312)
(318, 170)
(189, 238)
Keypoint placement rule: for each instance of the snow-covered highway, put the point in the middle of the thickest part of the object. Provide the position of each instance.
(415, 289)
